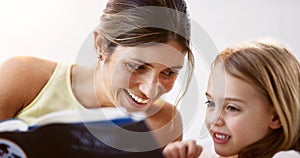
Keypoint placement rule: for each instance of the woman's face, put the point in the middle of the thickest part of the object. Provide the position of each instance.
(134, 77)
(238, 116)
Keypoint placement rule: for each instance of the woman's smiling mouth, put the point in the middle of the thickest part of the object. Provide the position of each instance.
(136, 98)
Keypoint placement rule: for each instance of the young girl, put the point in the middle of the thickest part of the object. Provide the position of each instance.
(253, 107)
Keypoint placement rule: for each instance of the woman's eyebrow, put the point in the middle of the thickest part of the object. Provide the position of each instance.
(141, 62)
(176, 67)
(145, 63)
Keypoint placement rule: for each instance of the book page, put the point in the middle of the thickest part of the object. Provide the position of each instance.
(14, 124)
(84, 115)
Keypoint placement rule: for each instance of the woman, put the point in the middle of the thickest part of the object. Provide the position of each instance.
(134, 42)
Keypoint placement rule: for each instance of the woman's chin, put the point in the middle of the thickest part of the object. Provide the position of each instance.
(132, 109)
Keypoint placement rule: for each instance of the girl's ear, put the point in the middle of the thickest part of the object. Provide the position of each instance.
(275, 121)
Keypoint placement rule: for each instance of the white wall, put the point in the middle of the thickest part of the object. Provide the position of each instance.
(52, 29)
(57, 30)
(235, 20)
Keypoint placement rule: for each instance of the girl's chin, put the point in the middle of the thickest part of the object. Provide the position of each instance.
(226, 155)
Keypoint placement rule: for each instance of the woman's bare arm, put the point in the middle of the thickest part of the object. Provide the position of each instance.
(21, 79)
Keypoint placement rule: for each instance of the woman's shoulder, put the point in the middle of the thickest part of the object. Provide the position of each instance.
(26, 60)
(21, 79)
(287, 153)
(22, 69)
(30, 64)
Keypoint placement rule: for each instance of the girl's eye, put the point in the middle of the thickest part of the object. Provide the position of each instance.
(232, 109)
(136, 67)
(210, 103)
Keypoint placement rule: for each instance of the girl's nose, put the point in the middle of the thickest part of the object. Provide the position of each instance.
(215, 117)
(219, 121)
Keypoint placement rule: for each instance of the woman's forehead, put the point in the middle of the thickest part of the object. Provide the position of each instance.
(165, 54)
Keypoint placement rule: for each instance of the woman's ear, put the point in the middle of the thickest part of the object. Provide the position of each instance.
(98, 44)
(97, 41)
(275, 121)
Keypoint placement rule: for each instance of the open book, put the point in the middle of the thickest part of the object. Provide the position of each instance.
(71, 116)
(105, 132)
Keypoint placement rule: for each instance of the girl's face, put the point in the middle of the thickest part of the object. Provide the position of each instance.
(237, 114)
(134, 77)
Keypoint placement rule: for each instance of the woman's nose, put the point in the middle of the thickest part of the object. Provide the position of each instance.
(151, 86)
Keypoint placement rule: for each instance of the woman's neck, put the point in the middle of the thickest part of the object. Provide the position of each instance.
(83, 86)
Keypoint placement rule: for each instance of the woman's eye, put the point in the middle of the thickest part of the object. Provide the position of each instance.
(232, 109)
(169, 74)
(136, 67)
(210, 103)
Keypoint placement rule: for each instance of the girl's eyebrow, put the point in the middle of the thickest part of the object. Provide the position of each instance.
(234, 99)
(227, 98)
(145, 63)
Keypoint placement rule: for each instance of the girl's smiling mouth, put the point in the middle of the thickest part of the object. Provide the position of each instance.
(220, 138)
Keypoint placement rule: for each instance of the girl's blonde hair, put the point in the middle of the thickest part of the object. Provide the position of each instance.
(275, 72)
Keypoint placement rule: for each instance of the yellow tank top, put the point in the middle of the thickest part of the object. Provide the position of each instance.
(56, 95)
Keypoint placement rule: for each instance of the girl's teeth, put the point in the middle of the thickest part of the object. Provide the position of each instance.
(221, 136)
(138, 99)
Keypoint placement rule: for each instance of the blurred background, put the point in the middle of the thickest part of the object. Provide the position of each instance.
(56, 29)
(61, 30)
